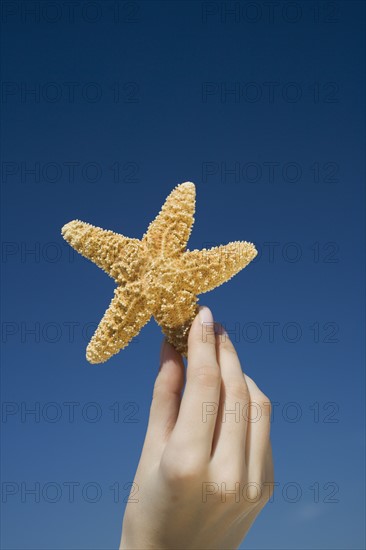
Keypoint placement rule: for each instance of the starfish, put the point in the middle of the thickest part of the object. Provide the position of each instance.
(156, 276)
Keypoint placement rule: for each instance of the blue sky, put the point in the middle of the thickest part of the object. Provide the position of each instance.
(105, 109)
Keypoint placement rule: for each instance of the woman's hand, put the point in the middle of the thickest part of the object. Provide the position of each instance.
(206, 468)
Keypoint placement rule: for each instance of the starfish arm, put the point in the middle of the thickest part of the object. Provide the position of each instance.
(126, 315)
(206, 269)
(115, 254)
(168, 234)
(175, 316)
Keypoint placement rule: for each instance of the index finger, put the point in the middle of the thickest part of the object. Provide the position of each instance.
(200, 402)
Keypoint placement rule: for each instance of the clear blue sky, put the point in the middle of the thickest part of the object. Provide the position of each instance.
(125, 105)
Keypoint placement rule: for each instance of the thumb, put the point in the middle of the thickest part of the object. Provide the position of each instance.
(167, 393)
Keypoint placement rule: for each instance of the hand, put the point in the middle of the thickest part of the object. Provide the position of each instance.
(206, 468)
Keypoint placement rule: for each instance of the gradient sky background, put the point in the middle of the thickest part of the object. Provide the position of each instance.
(152, 108)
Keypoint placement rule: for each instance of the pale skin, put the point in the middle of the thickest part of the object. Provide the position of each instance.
(206, 467)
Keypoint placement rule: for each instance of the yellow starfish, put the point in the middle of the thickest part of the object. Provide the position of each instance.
(156, 276)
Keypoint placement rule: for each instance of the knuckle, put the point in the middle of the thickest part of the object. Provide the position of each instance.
(226, 344)
(177, 468)
(266, 406)
(263, 403)
(253, 493)
(269, 491)
(207, 375)
(237, 391)
(233, 478)
(266, 492)
(264, 486)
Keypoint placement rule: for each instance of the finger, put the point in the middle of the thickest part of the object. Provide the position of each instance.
(263, 491)
(231, 426)
(198, 411)
(167, 394)
(259, 427)
(269, 473)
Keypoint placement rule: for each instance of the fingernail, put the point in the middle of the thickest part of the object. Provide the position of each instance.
(205, 315)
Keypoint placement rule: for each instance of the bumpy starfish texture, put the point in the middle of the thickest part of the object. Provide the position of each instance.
(156, 276)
